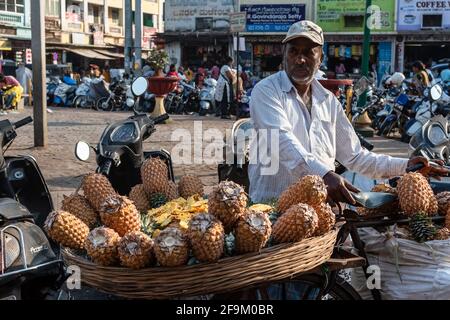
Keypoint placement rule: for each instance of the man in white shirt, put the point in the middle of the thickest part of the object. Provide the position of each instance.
(312, 128)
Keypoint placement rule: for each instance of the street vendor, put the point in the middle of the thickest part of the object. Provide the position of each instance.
(12, 91)
(312, 127)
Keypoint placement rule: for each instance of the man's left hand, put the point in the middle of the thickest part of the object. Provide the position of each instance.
(429, 170)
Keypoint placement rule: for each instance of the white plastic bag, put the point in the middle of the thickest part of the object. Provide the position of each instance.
(408, 270)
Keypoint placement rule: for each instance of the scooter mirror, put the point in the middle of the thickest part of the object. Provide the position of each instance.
(139, 86)
(82, 151)
(436, 92)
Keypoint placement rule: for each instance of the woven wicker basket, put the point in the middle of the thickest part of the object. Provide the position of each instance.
(232, 273)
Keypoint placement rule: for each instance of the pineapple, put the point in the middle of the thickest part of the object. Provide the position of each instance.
(310, 190)
(171, 191)
(252, 231)
(443, 199)
(297, 223)
(447, 219)
(97, 189)
(78, 205)
(139, 198)
(227, 202)
(120, 214)
(415, 195)
(327, 219)
(171, 248)
(154, 173)
(157, 200)
(135, 250)
(206, 236)
(442, 234)
(421, 227)
(101, 246)
(66, 229)
(190, 185)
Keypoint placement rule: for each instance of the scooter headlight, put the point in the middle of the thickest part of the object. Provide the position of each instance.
(130, 102)
(436, 135)
(11, 245)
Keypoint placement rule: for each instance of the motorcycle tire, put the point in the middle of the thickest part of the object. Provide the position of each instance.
(83, 102)
(202, 112)
(103, 105)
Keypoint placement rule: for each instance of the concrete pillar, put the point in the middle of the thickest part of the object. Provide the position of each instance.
(138, 36)
(63, 14)
(39, 68)
(106, 16)
(86, 15)
(27, 13)
(128, 35)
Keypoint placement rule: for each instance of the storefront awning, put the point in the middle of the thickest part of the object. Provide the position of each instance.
(89, 53)
(109, 53)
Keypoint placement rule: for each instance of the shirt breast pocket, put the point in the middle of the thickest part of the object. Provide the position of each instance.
(324, 138)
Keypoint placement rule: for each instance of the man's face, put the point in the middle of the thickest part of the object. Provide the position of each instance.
(302, 59)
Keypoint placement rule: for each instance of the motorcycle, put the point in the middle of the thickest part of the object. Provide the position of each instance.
(30, 266)
(173, 99)
(432, 139)
(117, 97)
(206, 97)
(190, 99)
(120, 154)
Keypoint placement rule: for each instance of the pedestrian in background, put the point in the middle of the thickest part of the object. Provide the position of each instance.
(224, 90)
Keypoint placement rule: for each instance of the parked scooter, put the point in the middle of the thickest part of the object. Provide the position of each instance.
(432, 140)
(243, 108)
(30, 267)
(64, 95)
(206, 97)
(120, 151)
(88, 98)
(52, 84)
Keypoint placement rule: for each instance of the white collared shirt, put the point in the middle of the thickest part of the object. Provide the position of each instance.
(308, 143)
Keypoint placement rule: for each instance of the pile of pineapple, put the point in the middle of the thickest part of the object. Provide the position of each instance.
(161, 223)
(417, 201)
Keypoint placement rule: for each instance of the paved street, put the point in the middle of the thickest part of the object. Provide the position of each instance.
(66, 126)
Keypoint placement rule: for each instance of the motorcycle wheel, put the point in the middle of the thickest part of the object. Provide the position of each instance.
(103, 105)
(202, 112)
(82, 102)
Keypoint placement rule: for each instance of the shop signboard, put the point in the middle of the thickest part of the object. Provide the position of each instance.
(238, 21)
(420, 14)
(198, 15)
(273, 17)
(348, 15)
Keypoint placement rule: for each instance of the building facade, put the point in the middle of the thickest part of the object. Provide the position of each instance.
(196, 32)
(423, 29)
(15, 33)
(92, 31)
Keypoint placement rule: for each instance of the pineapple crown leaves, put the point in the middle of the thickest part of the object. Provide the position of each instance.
(157, 59)
(50, 220)
(422, 228)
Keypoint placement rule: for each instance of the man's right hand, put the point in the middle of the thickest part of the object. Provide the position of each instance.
(339, 189)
